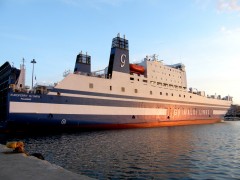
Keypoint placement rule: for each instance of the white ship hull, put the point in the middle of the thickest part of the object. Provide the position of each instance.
(148, 95)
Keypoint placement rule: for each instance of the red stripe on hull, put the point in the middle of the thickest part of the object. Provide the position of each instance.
(151, 124)
(45, 129)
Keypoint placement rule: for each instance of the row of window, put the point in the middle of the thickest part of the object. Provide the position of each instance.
(159, 83)
(170, 69)
(131, 78)
(166, 79)
(157, 76)
(168, 75)
(136, 91)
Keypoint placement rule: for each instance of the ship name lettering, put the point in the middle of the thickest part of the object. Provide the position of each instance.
(19, 95)
(26, 99)
(34, 96)
(176, 112)
(25, 95)
(190, 112)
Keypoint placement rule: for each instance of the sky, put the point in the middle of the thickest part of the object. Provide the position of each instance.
(204, 35)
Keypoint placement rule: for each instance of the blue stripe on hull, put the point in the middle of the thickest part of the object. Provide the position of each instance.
(19, 97)
(128, 97)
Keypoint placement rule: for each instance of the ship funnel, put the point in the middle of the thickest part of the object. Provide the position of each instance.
(119, 56)
(83, 63)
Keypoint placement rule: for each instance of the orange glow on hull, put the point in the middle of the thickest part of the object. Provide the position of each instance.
(151, 124)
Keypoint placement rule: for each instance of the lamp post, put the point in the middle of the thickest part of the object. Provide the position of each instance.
(33, 62)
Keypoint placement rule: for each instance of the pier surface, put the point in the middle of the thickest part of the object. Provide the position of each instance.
(19, 166)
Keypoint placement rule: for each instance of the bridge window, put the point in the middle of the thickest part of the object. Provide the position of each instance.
(91, 85)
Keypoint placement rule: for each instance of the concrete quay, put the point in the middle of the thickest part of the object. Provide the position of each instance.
(17, 166)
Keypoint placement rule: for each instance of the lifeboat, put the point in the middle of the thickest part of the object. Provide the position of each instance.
(134, 68)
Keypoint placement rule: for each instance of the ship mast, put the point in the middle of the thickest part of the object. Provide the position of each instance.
(33, 62)
(21, 79)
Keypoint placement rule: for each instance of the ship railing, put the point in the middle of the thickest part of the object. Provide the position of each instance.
(202, 93)
(98, 74)
(226, 98)
(139, 62)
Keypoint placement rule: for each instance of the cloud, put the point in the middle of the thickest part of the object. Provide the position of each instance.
(235, 31)
(228, 5)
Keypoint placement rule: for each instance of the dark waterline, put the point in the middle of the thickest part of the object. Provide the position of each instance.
(185, 152)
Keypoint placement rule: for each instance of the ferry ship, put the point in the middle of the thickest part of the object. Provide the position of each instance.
(123, 95)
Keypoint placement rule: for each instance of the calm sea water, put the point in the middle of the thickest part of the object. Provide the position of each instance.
(186, 152)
